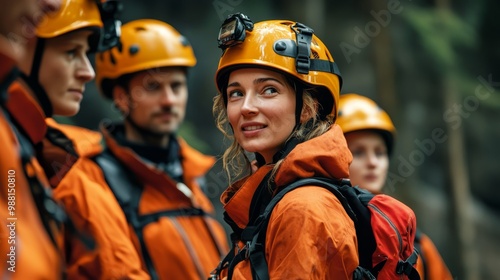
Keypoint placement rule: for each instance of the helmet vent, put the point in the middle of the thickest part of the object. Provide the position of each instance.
(287, 23)
(133, 49)
(314, 54)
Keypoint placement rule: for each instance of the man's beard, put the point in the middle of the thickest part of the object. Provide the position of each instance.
(147, 132)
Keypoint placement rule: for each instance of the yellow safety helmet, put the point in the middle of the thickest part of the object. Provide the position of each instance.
(358, 112)
(286, 46)
(144, 44)
(73, 15)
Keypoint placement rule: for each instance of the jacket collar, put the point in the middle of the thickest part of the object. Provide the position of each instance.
(86, 142)
(26, 111)
(194, 164)
(324, 156)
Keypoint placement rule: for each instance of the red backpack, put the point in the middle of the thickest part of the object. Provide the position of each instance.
(385, 229)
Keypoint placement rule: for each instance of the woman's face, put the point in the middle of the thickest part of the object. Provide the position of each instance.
(370, 162)
(64, 71)
(261, 110)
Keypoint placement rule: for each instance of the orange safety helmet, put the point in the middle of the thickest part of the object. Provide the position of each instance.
(358, 112)
(144, 44)
(73, 15)
(286, 46)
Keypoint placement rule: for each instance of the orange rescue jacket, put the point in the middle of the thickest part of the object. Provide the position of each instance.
(184, 247)
(26, 249)
(309, 236)
(92, 207)
(431, 266)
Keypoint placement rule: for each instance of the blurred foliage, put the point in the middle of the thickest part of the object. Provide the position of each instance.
(441, 32)
(188, 132)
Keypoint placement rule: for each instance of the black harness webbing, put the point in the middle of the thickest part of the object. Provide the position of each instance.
(128, 190)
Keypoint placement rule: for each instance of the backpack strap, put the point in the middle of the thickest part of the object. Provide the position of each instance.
(256, 244)
(353, 199)
(408, 267)
(418, 247)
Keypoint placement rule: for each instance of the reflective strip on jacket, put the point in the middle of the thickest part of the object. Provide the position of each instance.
(26, 250)
(309, 235)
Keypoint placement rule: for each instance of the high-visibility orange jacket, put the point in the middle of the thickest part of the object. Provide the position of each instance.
(26, 249)
(309, 235)
(179, 247)
(93, 208)
(430, 264)
(61, 150)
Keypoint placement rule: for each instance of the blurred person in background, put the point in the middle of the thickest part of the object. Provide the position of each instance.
(28, 233)
(54, 72)
(156, 176)
(370, 135)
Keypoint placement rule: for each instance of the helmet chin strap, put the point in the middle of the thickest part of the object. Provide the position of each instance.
(33, 82)
(299, 103)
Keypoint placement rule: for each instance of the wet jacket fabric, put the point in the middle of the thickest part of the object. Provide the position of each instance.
(26, 248)
(179, 247)
(431, 266)
(91, 206)
(309, 235)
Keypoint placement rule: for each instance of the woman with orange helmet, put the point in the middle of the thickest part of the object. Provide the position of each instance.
(370, 134)
(170, 218)
(54, 73)
(278, 91)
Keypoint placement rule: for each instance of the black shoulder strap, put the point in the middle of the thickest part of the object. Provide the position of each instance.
(128, 190)
(128, 194)
(254, 235)
(358, 201)
(124, 186)
(418, 247)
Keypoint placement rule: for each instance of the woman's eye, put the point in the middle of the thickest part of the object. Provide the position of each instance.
(381, 152)
(270, 91)
(357, 153)
(234, 93)
(71, 53)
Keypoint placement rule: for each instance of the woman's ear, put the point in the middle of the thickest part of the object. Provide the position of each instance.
(121, 99)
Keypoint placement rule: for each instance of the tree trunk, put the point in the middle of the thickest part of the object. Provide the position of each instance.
(459, 177)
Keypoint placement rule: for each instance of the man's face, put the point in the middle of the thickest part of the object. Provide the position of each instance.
(157, 100)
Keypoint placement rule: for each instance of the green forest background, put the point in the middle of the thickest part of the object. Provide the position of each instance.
(433, 65)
